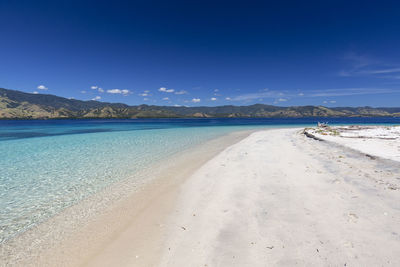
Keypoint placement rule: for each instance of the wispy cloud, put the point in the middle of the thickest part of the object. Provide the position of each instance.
(196, 100)
(181, 92)
(263, 94)
(96, 98)
(350, 92)
(42, 87)
(380, 71)
(213, 99)
(278, 95)
(361, 65)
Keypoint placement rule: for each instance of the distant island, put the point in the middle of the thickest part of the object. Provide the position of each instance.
(20, 105)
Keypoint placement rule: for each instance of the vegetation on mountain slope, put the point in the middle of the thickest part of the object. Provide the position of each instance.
(20, 105)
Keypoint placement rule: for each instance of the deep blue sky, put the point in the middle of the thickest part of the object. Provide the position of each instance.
(332, 53)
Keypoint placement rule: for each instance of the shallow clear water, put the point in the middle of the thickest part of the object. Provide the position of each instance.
(46, 166)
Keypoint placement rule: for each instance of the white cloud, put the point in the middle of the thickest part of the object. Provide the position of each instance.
(145, 99)
(165, 98)
(35, 92)
(196, 100)
(300, 94)
(95, 87)
(165, 90)
(114, 91)
(332, 101)
(325, 102)
(118, 91)
(282, 100)
(42, 87)
(181, 92)
(144, 94)
(213, 99)
(83, 92)
(177, 105)
(216, 90)
(96, 98)
(228, 98)
(146, 91)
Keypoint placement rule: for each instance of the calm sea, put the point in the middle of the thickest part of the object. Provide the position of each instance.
(46, 166)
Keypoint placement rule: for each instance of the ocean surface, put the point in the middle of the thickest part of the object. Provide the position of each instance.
(47, 166)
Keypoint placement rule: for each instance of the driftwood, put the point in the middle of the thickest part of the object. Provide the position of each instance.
(311, 136)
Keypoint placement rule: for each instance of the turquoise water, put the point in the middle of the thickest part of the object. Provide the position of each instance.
(46, 166)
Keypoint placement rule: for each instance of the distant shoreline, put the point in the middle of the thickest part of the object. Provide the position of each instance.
(195, 118)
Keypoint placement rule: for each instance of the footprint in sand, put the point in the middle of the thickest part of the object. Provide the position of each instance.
(352, 217)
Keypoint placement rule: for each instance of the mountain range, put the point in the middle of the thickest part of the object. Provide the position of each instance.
(20, 105)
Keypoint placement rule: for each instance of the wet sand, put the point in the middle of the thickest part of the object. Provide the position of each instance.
(122, 225)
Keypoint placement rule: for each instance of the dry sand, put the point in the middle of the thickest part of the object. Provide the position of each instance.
(379, 141)
(278, 198)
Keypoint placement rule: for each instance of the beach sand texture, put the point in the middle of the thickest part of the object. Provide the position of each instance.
(278, 198)
(379, 141)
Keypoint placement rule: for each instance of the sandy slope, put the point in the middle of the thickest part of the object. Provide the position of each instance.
(278, 198)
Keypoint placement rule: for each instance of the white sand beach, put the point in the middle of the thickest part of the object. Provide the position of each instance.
(278, 198)
(275, 198)
(379, 141)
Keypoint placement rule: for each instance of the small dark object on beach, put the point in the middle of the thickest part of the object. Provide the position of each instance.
(370, 156)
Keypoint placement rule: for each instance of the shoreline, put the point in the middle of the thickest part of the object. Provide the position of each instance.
(249, 198)
(76, 236)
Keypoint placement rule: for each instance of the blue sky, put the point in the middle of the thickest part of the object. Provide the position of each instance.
(332, 53)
